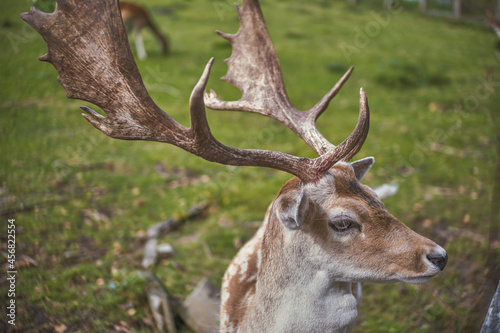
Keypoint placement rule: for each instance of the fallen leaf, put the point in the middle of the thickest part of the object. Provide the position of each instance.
(60, 328)
(418, 206)
(427, 223)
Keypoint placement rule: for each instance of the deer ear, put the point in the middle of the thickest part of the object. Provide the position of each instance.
(292, 208)
(362, 166)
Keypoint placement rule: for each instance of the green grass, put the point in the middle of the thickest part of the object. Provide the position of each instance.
(80, 199)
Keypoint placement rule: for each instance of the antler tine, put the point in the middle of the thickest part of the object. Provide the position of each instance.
(319, 108)
(314, 138)
(254, 68)
(208, 147)
(88, 46)
(352, 145)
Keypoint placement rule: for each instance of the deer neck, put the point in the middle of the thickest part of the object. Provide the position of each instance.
(293, 293)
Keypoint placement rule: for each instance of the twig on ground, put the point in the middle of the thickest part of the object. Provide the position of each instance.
(156, 294)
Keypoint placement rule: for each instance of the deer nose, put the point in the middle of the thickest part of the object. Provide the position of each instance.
(438, 259)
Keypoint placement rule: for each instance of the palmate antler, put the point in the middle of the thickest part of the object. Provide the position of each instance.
(254, 68)
(88, 46)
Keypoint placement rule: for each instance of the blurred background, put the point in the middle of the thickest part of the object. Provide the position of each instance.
(82, 202)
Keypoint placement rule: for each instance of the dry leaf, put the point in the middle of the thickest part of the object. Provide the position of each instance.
(60, 328)
(418, 206)
(427, 223)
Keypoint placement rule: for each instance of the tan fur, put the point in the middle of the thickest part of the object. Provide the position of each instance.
(491, 21)
(300, 280)
(136, 17)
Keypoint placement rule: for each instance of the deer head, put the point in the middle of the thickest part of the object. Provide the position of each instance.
(324, 228)
(351, 233)
(318, 241)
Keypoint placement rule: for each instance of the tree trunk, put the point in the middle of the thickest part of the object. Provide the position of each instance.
(457, 9)
(497, 11)
(423, 6)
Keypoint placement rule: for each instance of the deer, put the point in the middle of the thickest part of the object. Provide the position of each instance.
(136, 17)
(492, 22)
(324, 233)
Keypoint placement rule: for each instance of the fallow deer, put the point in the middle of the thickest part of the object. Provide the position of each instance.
(322, 233)
(491, 21)
(136, 17)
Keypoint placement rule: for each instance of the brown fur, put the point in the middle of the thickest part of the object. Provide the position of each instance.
(135, 16)
(379, 249)
(240, 288)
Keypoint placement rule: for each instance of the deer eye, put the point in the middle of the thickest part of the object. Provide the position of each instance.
(342, 224)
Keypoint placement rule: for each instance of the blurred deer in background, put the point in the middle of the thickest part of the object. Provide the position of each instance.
(135, 17)
(492, 22)
(324, 233)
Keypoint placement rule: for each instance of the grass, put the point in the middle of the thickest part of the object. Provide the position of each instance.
(82, 200)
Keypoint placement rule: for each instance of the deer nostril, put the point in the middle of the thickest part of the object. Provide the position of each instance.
(439, 260)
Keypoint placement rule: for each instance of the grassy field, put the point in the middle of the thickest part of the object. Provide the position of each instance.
(82, 201)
